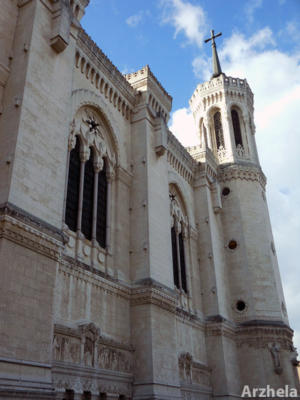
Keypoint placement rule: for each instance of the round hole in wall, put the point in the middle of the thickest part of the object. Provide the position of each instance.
(232, 244)
(240, 305)
(225, 191)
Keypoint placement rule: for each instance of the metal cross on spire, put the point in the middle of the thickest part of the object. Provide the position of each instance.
(216, 63)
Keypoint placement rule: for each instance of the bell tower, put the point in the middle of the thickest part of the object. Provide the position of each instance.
(223, 112)
(241, 283)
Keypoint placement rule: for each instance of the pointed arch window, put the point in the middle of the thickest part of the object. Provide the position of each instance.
(236, 128)
(178, 257)
(73, 188)
(218, 130)
(178, 242)
(89, 180)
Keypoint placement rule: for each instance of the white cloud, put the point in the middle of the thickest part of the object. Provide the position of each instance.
(202, 68)
(134, 20)
(274, 77)
(183, 127)
(186, 18)
(251, 7)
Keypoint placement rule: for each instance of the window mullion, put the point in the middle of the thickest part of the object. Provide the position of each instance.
(95, 203)
(109, 176)
(83, 159)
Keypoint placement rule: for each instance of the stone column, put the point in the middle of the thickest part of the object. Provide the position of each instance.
(95, 202)
(110, 176)
(82, 343)
(228, 133)
(188, 262)
(84, 156)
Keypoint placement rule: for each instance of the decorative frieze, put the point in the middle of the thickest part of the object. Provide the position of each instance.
(85, 345)
(86, 360)
(262, 334)
(241, 172)
(18, 226)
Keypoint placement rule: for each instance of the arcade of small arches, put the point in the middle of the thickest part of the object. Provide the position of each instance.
(87, 395)
(215, 140)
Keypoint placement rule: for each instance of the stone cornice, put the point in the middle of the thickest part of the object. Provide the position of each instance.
(100, 60)
(256, 334)
(260, 333)
(220, 327)
(26, 230)
(189, 318)
(242, 172)
(150, 295)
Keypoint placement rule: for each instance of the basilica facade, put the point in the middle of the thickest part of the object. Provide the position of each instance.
(131, 267)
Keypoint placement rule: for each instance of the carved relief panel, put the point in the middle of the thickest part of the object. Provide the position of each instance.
(84, 345)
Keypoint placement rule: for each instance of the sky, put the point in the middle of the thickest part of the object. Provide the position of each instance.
(260, 42)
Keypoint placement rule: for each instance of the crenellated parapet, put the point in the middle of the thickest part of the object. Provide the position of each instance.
(155, 96)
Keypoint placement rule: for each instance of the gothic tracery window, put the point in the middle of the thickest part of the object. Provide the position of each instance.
(88, 187)
(218, 130)
(179, 224)
(236, 128)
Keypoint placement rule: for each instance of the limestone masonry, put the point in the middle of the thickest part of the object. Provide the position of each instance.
(131, 267)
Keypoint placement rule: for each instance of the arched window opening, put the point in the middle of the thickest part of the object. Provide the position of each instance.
(88, 197)
(102, 207)
(89, 187)
(87, 395)
(175, 258)
(73, 188)
(182, 262)
(178, 238)
(69, 394)
(218, 130)
(236, 128)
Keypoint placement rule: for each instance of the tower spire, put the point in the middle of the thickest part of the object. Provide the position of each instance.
(216, 63)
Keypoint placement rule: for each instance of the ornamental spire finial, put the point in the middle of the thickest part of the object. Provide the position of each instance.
(216, 63)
